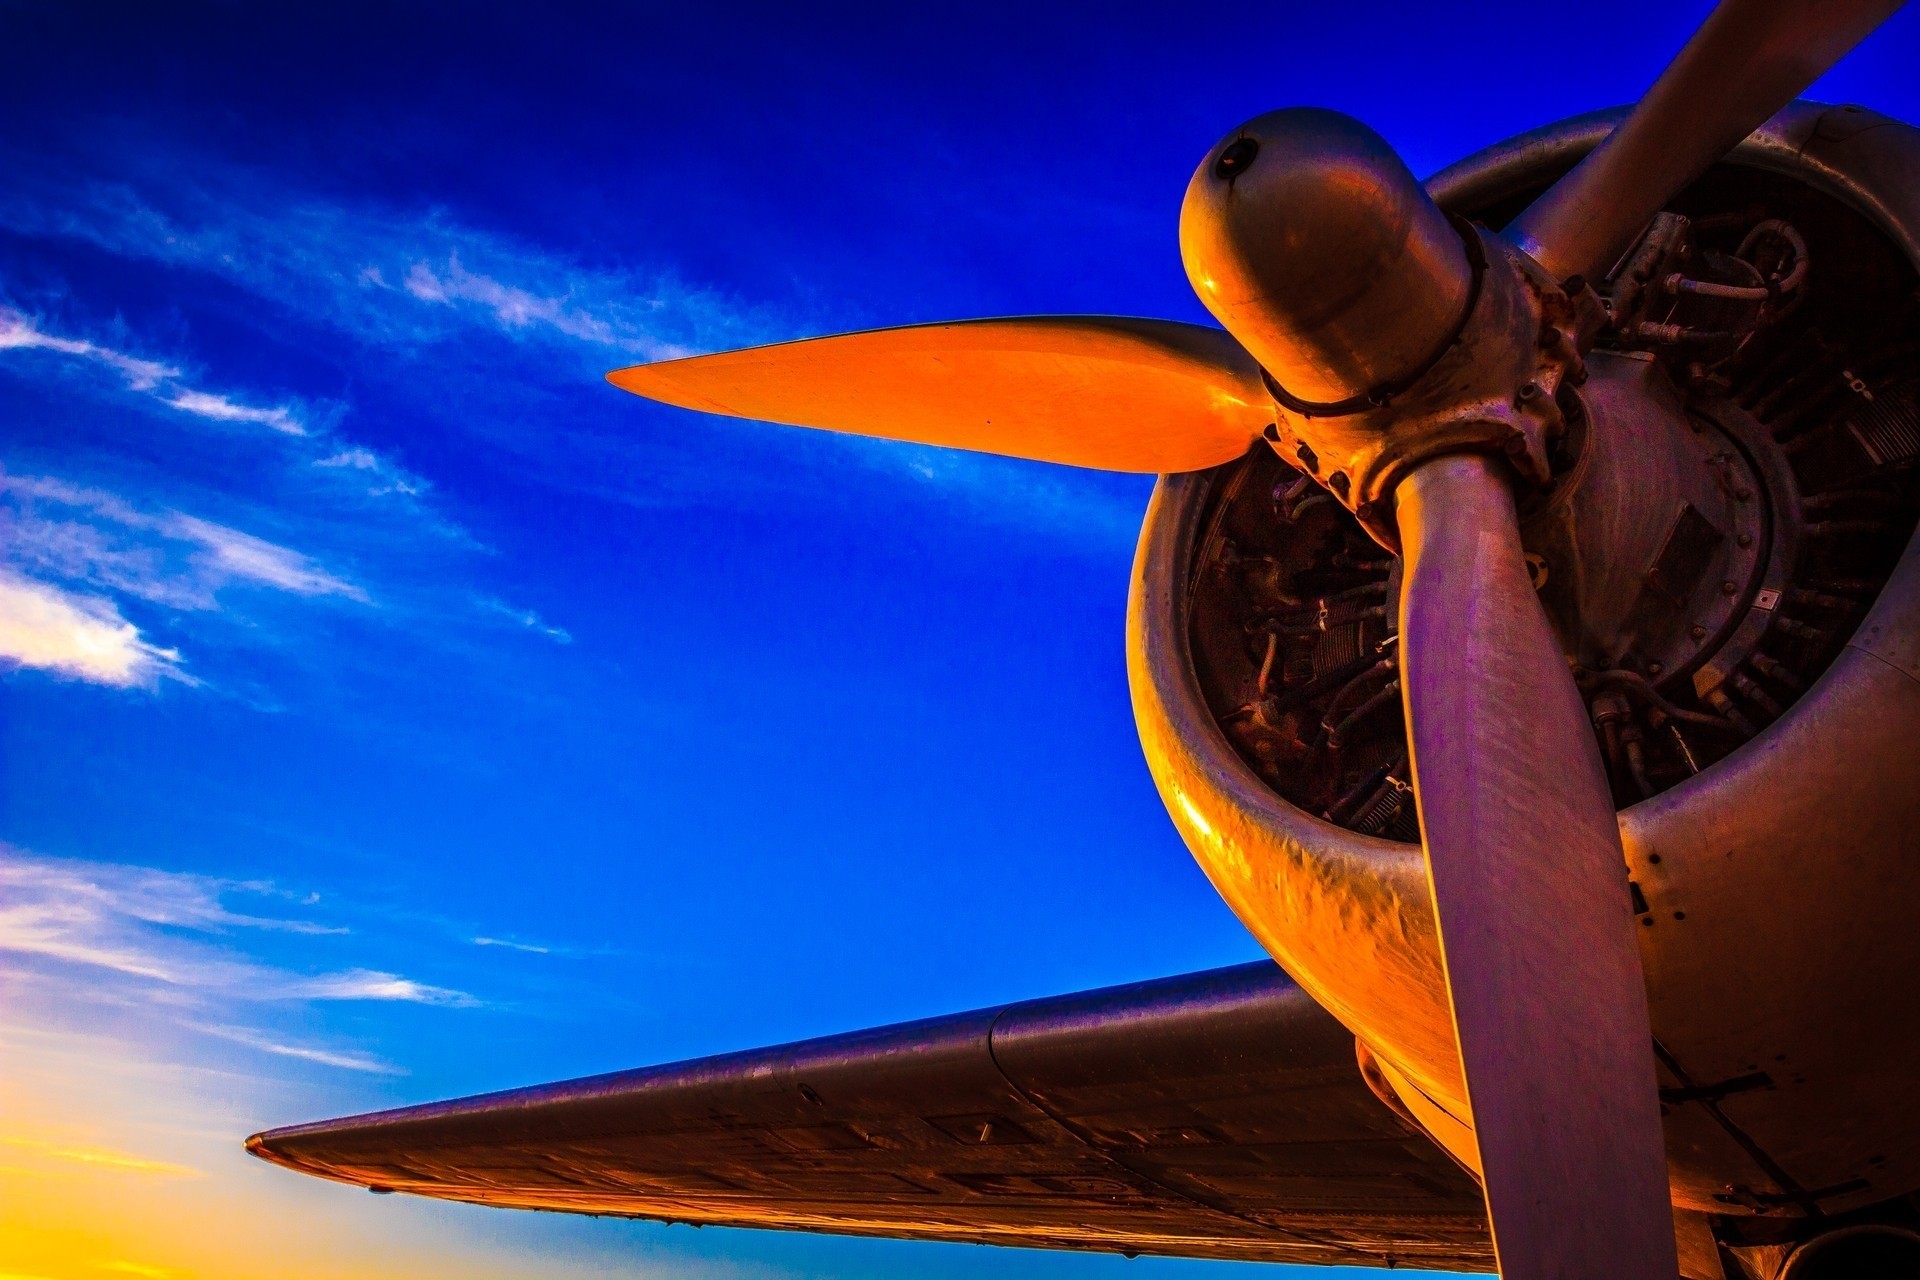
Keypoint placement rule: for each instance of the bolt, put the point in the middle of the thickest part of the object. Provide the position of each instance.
(1528, 390)
(1699, 633)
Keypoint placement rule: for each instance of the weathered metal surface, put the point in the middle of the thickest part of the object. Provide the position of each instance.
(1218, 1114)
(1779, 882)
(1536, 928)
(1634, 549)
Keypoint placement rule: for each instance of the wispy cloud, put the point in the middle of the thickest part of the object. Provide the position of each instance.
(230, 555)
(513, 946)
(65, 543)
(171, 898)
(528, 619)
(409, 281)
(371, 984)
(384, 476)
(126, 1268)
(154, 926)
(224, 409)
(346, 1060)
(382, 274)
(514, 309)
(79, 636)
(155, 378)
(100, 1158)
(19, 333)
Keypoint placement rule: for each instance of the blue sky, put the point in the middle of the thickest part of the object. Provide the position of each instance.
(390, 710)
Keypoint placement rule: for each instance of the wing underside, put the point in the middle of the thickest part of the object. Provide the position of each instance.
(1219, 1114)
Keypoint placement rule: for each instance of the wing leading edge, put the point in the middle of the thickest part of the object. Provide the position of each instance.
(1218, 1114)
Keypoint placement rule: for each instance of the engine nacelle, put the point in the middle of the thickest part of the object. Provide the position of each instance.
(1774, 854)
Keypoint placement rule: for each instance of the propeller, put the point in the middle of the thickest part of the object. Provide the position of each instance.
(1352, 302)
(1530, 889)
(1523, 849)
(1091, 391)
(1748, 59)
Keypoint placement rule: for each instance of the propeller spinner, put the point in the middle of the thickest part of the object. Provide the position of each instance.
(1413, 366)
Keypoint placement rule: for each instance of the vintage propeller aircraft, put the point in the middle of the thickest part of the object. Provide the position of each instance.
(1524, 637)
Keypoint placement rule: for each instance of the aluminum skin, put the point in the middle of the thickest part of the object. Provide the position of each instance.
(1781, 882)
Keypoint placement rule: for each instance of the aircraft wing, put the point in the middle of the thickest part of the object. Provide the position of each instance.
(1219, 1114)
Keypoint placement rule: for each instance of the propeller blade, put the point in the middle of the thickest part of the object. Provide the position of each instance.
(1530, 887)
(1091, 391)
(1748, 59)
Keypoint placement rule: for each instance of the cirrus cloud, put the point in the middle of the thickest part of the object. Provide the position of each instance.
(79, 636)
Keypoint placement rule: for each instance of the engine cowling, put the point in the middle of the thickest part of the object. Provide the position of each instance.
(1774, 858)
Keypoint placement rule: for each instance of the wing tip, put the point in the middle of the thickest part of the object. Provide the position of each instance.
(262, 1146)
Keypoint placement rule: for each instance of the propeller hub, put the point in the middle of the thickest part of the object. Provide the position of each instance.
(1309, 239)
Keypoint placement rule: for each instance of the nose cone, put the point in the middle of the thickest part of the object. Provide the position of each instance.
(1309, 239)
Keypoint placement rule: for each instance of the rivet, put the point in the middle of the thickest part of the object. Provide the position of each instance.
(1698, 633)
(1528, 390)
(1654, 668)
(1728, 589)
(1745, 539)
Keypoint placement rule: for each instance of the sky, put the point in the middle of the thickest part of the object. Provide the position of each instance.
(390, 710)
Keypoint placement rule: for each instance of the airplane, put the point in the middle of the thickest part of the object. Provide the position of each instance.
(1524, 636)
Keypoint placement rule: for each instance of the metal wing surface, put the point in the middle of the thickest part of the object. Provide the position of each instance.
(1219, 1114)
